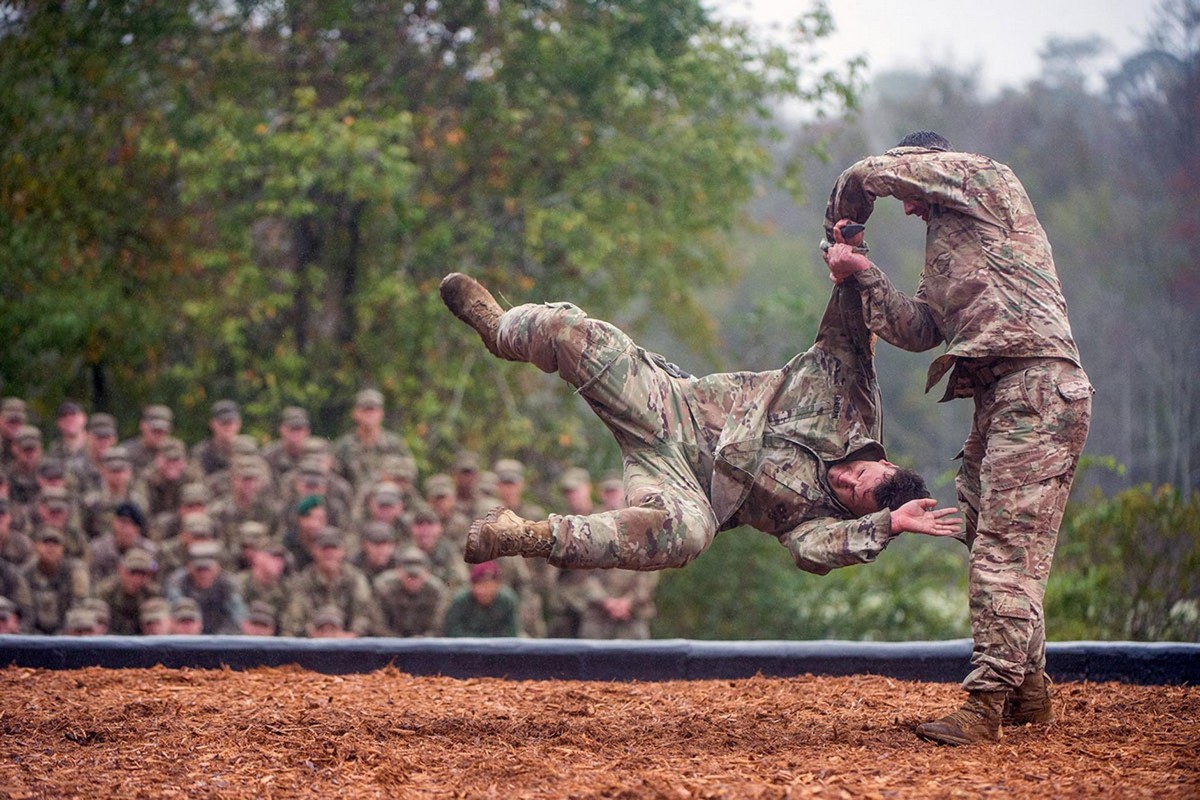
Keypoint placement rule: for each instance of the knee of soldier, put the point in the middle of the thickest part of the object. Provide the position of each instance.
(536, 332)
(692, 531)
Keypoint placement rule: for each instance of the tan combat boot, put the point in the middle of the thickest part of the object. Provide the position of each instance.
(1029, 704)
(977, 721)
(474, 305)
(502, 533)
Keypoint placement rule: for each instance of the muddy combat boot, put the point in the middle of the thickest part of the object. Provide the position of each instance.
(977, 721)
(1029, 704)
(474, 305)
(502, 533)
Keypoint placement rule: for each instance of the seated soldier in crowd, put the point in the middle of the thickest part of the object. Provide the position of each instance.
(261, 620)
(15, 589)
(70, 445)
(445, 560)
(439, 495)
(127, 590)
(186, 617)
(126, 531)
(173, 553)
(359, 452)
(377, 545)
(265, 580)
(485, 608)
(79, 621)
(412, 601)
(116, 487)
(53, 509)
(284, 454)
(204, 581)
(330, 581)
(162, 482)
(154, 429)
(154, 617)
(102, 612)
(16, 547)
(56, 581)
(311, 518)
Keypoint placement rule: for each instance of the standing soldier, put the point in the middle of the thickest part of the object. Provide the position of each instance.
(56, 581)
(71, 443)
(214, 453)
(162, 483)
(330, 582)
(12, 417)
(284, 453)
(26, 456)
(439, 494)
(412, 601)
(101, 435)
(154, 429)
(989, 293)
(249, 500)
(116, 487)
(359, 452)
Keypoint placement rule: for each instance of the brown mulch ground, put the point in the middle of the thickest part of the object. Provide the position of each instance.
(288, 732)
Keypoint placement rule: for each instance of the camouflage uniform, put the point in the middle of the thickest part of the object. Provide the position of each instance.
(53, 594)
(637, 587)
(404, 614)
(989, 292)
(15, 587)
(350, 592)
(466, 617)
(124, 608)
(359, 463)
(707, 454)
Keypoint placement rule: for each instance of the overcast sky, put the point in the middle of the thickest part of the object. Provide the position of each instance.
(1001, 37)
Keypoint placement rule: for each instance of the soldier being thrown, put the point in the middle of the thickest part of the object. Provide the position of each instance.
(793, 452)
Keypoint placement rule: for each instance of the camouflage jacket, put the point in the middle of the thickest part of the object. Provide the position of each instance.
(782, 430)
(405, 614)
(988, 288)
(349, 591)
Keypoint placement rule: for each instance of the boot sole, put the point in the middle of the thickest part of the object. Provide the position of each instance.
(472, 549)
(948, 739)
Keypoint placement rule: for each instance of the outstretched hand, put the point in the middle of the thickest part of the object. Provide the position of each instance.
(923, 516)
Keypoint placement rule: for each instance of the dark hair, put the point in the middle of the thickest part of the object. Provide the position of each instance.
(902, 486)
(927, 139)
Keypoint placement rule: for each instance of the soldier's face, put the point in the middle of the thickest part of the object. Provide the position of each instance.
(917, 208)
(854, 483)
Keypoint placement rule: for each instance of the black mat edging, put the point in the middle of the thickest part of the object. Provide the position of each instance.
(1161, 663)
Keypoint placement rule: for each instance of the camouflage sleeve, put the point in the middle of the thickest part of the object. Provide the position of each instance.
(932, 177)
(843, 330)
(906, 322)
(822, 545)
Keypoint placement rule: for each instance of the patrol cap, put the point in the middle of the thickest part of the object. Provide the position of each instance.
(244, 445)
(253, 533)
(47, 533)
(330, 537)
(138, 560)
(574, 477)
(194, 494)
(158, 417)
(329, 616)
(185, 609)
(509, 470)
(398, 466)
(312, 466)
(612, 481)
(369, 398)
(387, 493)
(488, 570)
(55, 497)
(173, 449)
(424, 514)
(29, 435)
(466, 461)
(294, 417)
(51, 469)
(413, 560)
(316, 446)
(131, 511)
(117, 457)
(439, 485)
(199, 524)
(68, 407)
(80, 620)
(99, 608)
(261, 613)
(246, 466)
(101, 424)
(378, 532)
(225, 410)
(205, 554)
(156, 609)
(12, 409)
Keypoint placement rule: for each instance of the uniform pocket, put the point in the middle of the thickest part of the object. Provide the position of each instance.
(1074, 390)
(1011, 605)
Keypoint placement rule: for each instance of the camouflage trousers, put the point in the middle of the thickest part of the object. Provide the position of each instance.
(647, 406)
(1018, 464)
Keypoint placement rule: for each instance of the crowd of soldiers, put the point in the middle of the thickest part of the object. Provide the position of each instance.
(300, 536)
